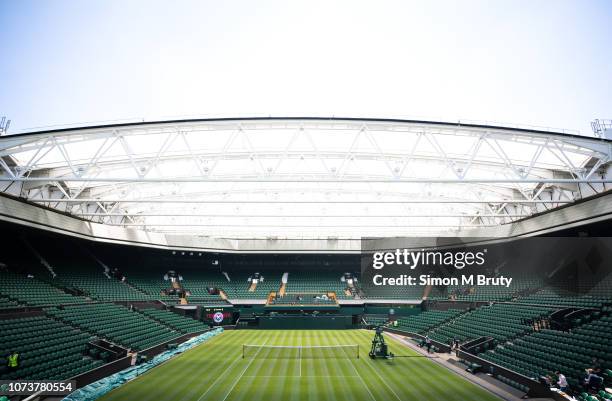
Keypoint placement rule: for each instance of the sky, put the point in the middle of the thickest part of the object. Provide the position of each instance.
(544, 63)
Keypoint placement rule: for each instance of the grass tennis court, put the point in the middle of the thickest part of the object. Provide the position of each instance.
(216, 370)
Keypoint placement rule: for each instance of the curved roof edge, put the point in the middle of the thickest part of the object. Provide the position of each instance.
(17, 211)
(294, 118)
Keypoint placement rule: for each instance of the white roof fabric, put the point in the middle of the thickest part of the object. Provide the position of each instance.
(303, 177)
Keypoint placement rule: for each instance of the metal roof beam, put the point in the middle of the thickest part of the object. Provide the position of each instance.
(365, 179)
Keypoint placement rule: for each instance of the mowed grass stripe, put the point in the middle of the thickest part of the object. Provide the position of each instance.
(231, 388)
(212, 371)
(259, 370)
(421, 380)
(216, 379)
(210, 381)
(386, 371)
(401, 384)
(190, 363)
(324, 369)
(450, 385)
(374, 388)
(453, 385)
(221, 363)
(312, 387)
(239, 382)
(361, 389)
(423, 373)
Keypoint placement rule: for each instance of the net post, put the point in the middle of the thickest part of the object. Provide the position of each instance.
(357, 351)
(242, 351)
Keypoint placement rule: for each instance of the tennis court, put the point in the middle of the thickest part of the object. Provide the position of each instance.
(222, 370)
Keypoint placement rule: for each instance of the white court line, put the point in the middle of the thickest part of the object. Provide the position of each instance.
(245, 369)
(297, 377)
(219, 377)
(383, 380)
(360, 378)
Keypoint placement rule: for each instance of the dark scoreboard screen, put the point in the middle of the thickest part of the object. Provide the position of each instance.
(218, 316)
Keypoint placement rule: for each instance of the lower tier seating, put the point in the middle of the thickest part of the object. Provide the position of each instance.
(7, 303)
(303, 299)
(47, 349)
(375, 319)
(542, 353)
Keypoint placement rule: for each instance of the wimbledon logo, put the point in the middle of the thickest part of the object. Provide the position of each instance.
(218, 317)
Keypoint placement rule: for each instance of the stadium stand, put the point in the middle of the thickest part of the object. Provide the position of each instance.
(196, 281)
(425, 321)
(312, 282)
(548, 296)
(518, 286)
(393, 292)
(303, 299)
(78, 305)
(99, 287)
(541, 353)
(375, 319)
(175, 321)
(239, 286)
(17, 288)
(48, 349)
(88, 244)
(151, 284)
(117, 324)
(500, 321)
(7, 303)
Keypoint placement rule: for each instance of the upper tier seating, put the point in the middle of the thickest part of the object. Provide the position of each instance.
(548, 296)
(393, 292)
(580, 293)
(195, 281)
(152, 284)
(81, 271)
(117, 324)
(47, 349)
(99, 287)
(425, 321)
(500, 321)
(320, 282)
(489, 292)
(174, 320)
(239, 286)
(33, 292)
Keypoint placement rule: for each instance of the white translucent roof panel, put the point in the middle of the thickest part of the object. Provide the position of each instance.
(307, 177)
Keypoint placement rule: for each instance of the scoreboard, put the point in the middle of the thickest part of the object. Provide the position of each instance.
(218, 316)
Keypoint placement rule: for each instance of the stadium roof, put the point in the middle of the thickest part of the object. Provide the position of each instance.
(303, 177)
